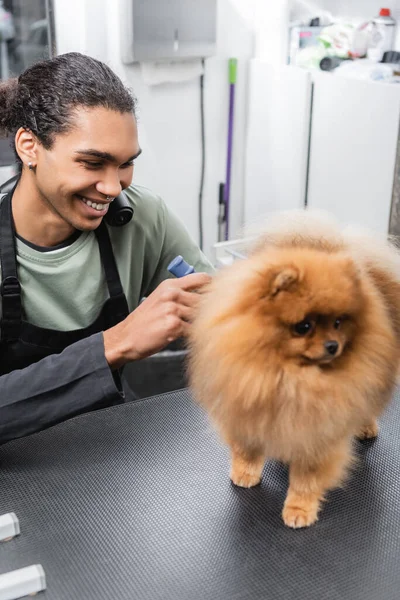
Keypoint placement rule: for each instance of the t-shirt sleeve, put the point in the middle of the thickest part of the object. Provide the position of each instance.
(177, 241)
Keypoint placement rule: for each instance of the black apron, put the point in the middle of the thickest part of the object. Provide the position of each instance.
(21, 343)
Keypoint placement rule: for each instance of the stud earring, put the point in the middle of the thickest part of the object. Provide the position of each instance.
(30, 166)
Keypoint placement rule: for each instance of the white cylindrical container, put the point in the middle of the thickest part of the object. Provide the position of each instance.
(382, 33)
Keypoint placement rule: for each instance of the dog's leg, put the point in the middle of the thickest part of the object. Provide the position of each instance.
(308, 485)
(369, 431)
(246, 466)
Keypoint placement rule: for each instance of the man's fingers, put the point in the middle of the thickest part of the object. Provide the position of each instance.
(194, 281)
(185, 329)
(188, 298)
(186, 313)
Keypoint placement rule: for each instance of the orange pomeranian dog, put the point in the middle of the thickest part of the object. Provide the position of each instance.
(294, 352)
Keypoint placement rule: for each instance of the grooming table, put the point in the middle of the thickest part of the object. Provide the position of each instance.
(134, 502)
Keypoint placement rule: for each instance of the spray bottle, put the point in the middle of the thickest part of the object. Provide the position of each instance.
(381, 35)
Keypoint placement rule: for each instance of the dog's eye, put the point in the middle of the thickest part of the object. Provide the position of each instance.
(339, 321)
(303, 327)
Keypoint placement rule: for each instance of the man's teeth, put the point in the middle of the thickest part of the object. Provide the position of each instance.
(95, 205)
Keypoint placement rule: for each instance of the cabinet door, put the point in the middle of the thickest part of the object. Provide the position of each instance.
(277, 139)
(354, 136)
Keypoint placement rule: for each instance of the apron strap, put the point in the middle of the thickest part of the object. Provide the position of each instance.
(108, 261)
(10, 288)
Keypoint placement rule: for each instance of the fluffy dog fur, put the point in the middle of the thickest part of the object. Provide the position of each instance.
(294, 352)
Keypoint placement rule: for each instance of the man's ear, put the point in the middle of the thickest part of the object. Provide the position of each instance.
(284, 280)
(26, 145)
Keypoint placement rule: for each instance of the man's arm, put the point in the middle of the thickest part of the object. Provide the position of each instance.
(56, 388)
(80, 378)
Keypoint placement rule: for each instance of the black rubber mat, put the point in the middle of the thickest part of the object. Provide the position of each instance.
(134, 502)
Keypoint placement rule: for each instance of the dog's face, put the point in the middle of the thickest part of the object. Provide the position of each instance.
(311, 306)
(319, 338)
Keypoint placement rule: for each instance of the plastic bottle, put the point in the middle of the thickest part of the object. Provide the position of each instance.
(381, 38)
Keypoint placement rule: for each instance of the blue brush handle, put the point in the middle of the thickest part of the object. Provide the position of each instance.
(180, 267)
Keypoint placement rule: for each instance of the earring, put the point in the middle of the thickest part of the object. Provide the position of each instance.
(30, 166)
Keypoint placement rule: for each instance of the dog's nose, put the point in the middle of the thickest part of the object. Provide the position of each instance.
(331, 347)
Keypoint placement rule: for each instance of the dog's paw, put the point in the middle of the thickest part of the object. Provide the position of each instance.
(246, 473)
(243, 479)
(297, 517)
(369, 432)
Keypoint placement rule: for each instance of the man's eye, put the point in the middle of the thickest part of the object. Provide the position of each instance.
(92, 165)
(303, 327)
(127, 165)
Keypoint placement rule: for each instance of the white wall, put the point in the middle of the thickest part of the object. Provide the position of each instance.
(169, 114)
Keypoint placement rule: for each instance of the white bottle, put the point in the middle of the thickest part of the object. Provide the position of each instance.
(381, 35)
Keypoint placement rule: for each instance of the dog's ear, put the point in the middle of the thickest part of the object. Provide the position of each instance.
(283, 280)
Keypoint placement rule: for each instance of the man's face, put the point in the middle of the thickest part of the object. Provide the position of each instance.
(92, 161)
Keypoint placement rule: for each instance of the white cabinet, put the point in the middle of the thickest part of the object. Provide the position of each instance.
(334, 149)
(354, 134)
(277, 139)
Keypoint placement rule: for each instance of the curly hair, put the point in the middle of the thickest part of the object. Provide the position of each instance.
(43, 98)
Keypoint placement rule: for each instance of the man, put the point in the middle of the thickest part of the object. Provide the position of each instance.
(71, 286)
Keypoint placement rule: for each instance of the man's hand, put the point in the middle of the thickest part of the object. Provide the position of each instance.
(160, 319)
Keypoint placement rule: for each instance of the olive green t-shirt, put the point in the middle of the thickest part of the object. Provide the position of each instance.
(65, 289)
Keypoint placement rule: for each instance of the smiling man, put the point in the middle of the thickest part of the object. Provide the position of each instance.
(71, 314)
